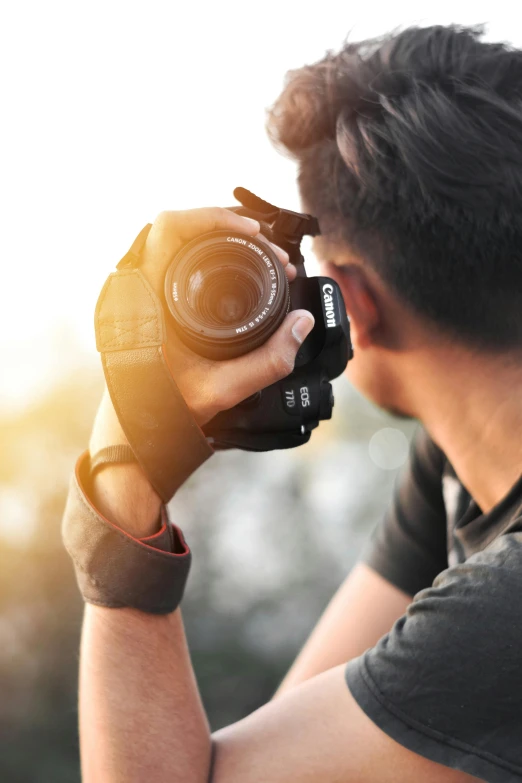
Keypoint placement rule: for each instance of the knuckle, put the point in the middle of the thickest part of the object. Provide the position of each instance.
(161, 218)
(227, 399)
(218, 214)
(281, 364)
(218, 394)
(205, 403)
(163, 221)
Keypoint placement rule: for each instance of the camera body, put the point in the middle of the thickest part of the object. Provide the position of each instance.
(228, 293)
(283, 415)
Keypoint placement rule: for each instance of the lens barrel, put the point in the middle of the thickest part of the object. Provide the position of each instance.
(227, 293)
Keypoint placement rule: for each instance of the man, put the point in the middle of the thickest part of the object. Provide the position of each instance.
(410, 154)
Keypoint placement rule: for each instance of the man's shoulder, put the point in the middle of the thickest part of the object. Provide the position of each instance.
(502, 557)
(448, 674)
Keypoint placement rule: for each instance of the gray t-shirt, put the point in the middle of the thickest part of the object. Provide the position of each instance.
(446, 682)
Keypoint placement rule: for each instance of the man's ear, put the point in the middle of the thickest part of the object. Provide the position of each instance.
(360, 301)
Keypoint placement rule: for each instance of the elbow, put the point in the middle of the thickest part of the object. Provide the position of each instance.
(213, 756)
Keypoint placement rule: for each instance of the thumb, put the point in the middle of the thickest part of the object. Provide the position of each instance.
(272, 361)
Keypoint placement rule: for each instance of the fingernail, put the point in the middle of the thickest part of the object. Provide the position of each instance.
(302, 327)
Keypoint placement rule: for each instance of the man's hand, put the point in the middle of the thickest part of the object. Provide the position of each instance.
(122, 492)
(213, 386)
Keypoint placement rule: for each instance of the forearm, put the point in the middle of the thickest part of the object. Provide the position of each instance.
(361, 612)
(141, 717)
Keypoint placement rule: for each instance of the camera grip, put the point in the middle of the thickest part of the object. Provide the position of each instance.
(131, 337)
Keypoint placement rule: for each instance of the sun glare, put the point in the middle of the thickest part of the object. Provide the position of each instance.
(112, 115)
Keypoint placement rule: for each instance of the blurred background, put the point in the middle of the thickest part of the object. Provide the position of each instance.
(112, 112)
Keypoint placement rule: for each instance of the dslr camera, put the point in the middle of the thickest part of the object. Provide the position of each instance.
(228, 293)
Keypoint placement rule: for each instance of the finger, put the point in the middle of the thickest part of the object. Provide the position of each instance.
(284, 258)
(291, 272)
(189, 224)
(270, 363)
(171, 230)
(280, 253)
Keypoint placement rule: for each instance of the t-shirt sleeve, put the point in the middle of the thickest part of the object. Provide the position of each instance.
(446, 682)
(408, 548)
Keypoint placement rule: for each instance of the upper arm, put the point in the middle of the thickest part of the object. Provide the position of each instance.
(363, 609)
(407, 551)
(437, 697)
(318, 732)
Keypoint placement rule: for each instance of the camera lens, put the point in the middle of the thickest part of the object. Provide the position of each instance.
(227, 293)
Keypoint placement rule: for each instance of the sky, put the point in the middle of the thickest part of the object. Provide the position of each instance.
(115, 111)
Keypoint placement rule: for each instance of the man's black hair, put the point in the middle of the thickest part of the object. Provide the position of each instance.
(410, 151)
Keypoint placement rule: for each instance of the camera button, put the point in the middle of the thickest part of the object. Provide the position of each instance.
(326, 401)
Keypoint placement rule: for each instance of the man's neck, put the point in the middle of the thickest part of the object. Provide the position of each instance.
(472, 408)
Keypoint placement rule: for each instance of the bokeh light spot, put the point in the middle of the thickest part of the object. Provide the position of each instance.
(388, 448)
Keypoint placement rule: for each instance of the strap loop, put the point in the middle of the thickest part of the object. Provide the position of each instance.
(133, 254)
(114, 569)
(112, 455)
(131, 336)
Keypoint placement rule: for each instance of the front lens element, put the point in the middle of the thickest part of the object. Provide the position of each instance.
(227, 293)
(224, 295)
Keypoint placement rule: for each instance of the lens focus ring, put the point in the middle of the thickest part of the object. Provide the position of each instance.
(227, 293)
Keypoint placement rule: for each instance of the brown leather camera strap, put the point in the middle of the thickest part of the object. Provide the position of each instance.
(131, 337)
(112, 567)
